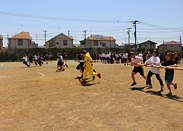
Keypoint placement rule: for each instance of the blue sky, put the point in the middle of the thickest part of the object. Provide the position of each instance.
(161, 19)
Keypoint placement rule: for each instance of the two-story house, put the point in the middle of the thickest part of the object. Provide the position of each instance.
(22, 40)
(99, 41)
(60, 41)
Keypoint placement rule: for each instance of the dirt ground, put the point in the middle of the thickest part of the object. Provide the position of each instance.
(40, 99)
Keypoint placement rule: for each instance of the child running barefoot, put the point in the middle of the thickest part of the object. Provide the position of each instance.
(137, 60)
(169, 73)
(25, 60)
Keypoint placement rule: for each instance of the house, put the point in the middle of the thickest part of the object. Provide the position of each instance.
(1, 42)
(130, 46)
(147, 44)
(170, 45)
(60, 41)
(99, 41)
(22, 40)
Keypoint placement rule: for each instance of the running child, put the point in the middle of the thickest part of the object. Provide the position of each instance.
(60, 62)
(25, 60)
(80, 67)
(169, 73)
(154, 60)
(137, 60)
(30, 59)
(88, 67)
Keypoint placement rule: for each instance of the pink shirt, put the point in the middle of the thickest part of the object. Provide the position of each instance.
(136, 60)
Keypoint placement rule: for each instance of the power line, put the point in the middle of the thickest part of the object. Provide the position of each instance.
(57, 18)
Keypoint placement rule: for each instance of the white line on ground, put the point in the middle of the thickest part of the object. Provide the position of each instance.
(42, 75)
(3, 76)
(2, 64)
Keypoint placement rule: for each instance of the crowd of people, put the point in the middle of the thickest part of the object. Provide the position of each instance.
(125, 57)
(86, 61)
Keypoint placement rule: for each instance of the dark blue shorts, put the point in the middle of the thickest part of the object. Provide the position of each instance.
(31, 61)
(169, 78)
(139, 69)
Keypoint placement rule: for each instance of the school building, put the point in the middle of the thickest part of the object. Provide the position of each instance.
(60, 41)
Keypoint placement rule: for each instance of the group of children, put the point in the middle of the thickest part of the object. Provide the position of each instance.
(38, 59)
(155, 60)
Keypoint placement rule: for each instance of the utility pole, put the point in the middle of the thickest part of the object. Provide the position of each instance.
(180, 39)
(75, 39)
(135, 32)
(45, 35)
(128, 32)
(85, 36)
(68, 32)
(163, 46)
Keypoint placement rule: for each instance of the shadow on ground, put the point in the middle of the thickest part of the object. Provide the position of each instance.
(87, 84)
(158, 93)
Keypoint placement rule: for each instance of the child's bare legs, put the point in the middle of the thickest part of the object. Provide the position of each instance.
(168, 85)
(133, 76)
(144, 77)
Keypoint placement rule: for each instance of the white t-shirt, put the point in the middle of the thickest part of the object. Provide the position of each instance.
(136, 60)
(25, 58)
(61, 58)
(125, 55)
(35, 57)
(157, 61)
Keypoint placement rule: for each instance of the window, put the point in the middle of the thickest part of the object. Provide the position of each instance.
(57, 43)
(171, 45)
(20, 42)
(65, 42)
(104, 44)
(95, 42)
(52, 44)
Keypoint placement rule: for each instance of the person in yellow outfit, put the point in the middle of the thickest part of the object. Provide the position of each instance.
(88, 67)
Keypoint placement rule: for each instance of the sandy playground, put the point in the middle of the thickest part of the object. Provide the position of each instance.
(40, 99)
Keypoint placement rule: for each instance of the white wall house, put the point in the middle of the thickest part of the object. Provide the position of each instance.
(99, 41)
(22, 40)
(60, 41)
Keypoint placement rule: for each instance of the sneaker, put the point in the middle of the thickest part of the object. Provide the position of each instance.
(81, 76)
(170, 93)
(63, 70)
(175, 86)
(134, 83)
(149, 87)
(99, 76)
(83, 82)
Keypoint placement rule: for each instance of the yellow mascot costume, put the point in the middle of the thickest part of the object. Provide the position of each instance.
(88, 67)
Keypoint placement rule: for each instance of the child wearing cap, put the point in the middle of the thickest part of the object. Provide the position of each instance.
(137, 60)
(169, 73)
